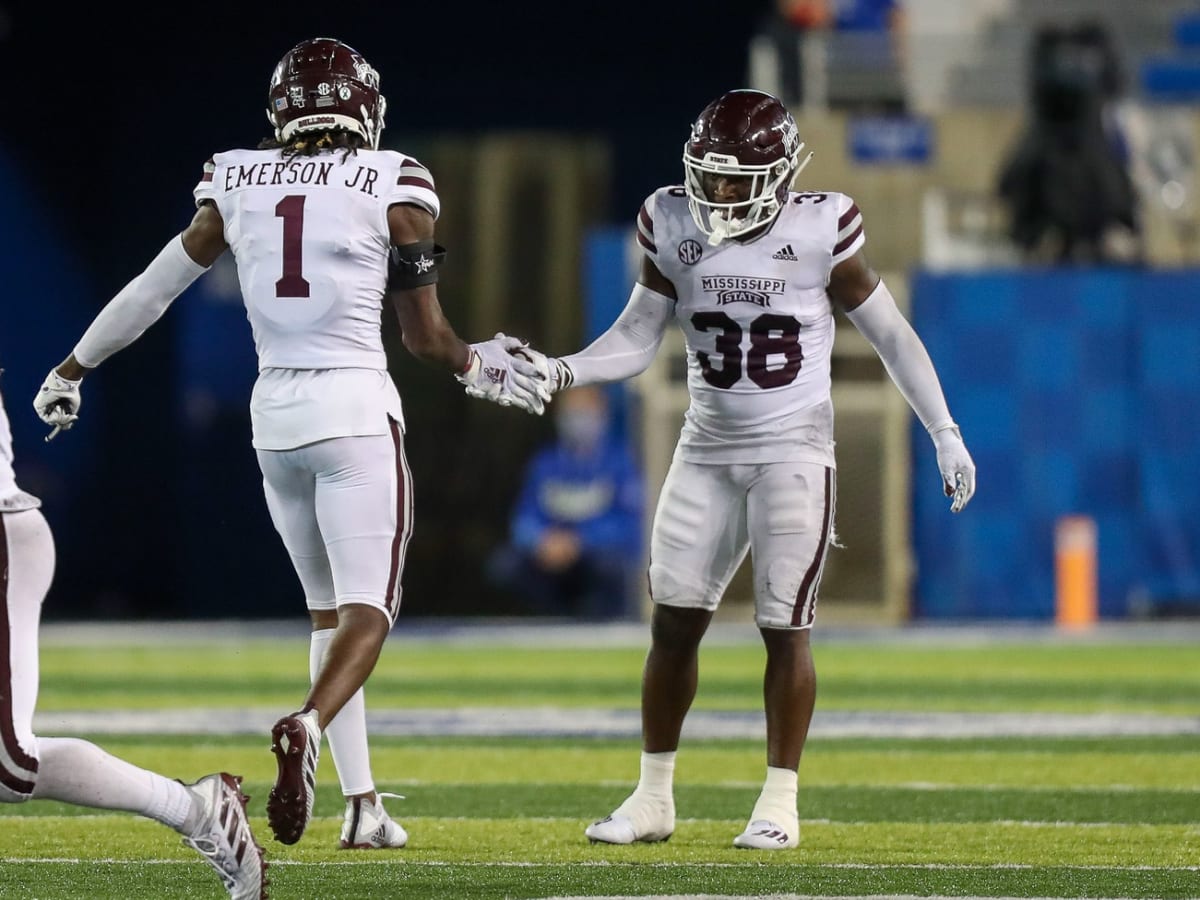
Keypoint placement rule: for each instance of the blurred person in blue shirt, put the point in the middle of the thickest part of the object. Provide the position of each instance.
(576, 530)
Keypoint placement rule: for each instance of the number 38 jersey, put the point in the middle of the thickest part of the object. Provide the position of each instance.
(310, 238)
(758, 326)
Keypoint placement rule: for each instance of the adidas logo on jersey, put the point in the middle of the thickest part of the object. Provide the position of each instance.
(786, 253)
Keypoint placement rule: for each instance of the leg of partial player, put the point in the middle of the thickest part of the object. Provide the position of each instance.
(210, 814)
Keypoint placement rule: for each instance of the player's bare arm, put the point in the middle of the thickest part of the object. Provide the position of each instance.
(852, 281)
(652, 278)
(204, 238)
(488, 369)
(426, 332)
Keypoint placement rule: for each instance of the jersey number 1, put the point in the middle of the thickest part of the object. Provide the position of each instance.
(291, 210)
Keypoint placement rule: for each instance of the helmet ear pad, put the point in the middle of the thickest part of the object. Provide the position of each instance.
(323, 85)
(748, 134)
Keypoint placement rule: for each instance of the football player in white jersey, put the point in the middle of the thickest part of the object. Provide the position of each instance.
(210, 813)
(323, 225)
(751, 271)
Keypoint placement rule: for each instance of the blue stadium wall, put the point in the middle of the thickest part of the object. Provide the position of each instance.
(1078, 393)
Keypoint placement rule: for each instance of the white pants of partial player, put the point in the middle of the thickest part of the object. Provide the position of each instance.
(55, 768)
(708, 516)
(344, 510)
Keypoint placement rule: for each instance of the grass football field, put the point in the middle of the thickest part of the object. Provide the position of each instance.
(939, 764)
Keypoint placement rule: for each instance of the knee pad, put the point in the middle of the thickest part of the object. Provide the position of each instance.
(780, 581)
(668, 588)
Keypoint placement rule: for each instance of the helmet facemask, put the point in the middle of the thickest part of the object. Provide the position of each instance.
(769, 184)
(749, 135)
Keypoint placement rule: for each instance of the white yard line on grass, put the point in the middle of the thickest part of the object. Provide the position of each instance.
(615, 723)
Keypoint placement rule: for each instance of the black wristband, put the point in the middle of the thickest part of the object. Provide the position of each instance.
(414, 265)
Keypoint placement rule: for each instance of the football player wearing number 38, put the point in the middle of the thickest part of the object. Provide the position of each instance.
(323, 226)
(751, 271)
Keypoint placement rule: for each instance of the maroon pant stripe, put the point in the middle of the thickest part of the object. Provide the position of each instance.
(802, 613)
(403, 523)
(7, 734)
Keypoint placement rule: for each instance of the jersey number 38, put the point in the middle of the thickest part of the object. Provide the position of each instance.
(771, 335)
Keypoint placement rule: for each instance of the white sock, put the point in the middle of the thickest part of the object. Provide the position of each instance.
(79, 772)
(347, 733)
(657, 774)
(778, 796)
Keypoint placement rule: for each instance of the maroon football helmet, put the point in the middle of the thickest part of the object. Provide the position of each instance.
(322, 84)
(741, 134)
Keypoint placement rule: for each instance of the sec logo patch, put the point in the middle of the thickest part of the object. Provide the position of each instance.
(690, 252)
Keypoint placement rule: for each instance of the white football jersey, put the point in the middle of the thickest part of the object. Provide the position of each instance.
(758, 325)
(12, 498)
(310, 238)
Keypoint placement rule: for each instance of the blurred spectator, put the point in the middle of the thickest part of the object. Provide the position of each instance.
(1067, 183)
(866, 43)
(576, 538)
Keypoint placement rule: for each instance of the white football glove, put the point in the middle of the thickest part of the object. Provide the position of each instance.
(556, 374)
(496, 373)
(57, 402)
(956, 466)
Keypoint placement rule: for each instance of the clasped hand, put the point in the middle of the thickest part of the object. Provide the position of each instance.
(505, 371)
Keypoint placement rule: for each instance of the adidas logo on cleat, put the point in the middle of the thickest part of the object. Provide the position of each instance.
(786, 253)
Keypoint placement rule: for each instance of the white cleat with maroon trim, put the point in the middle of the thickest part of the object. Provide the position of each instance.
(296, 743)
(223, 836)
(764, 834)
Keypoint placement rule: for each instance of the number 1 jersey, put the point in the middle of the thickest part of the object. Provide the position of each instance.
(758, 326)
(310, 237)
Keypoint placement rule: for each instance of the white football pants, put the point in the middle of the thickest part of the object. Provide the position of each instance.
(708, 516)
(344, 509)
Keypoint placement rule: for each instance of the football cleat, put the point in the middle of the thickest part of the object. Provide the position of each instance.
(296, 743)
(639, 818)
(367, 826)
(223, 836)
(763, 834)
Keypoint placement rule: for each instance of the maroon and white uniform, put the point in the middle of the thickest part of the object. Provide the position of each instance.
(754, 466)
(310, 238)
(26, 568)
